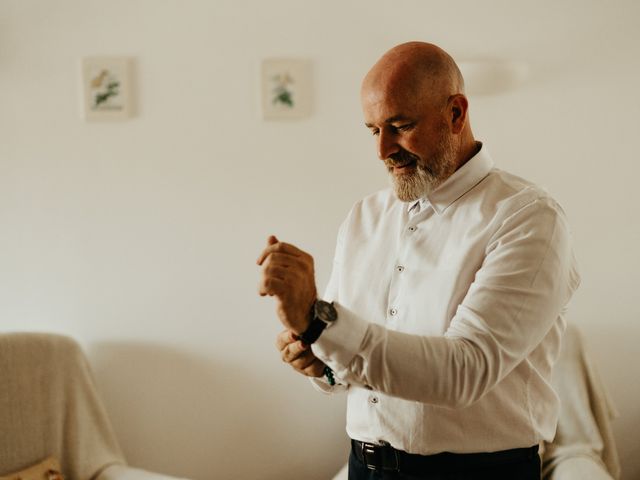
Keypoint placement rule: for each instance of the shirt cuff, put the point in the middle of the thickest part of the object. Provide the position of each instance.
(323, 386)
(340, 342)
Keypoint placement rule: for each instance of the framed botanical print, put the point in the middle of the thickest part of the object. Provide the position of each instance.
(106, 88)
(286, 88)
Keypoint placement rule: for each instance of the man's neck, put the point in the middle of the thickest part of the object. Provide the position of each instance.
(468, 152)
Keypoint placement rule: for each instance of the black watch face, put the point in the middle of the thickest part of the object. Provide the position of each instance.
(325, 311)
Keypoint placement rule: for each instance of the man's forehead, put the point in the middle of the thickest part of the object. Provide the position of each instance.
(386, 103)
(389, 78)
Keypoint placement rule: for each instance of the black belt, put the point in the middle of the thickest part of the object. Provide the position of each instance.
(385, 457)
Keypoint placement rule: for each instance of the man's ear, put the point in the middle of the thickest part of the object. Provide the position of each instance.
(458, 106)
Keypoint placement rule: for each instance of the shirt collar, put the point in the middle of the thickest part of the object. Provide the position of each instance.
(454, 187)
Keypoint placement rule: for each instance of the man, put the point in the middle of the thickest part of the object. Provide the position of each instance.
(448, 292)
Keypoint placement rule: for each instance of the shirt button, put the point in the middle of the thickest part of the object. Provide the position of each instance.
(393, 312)
(373, 400)
(400, 268)
(412, 228)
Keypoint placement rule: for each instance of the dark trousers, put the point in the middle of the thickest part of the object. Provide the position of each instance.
(521, 469)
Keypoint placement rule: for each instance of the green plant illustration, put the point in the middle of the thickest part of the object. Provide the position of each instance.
(282, 93)
(107, 86)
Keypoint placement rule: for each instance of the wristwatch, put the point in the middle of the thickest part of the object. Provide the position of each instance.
(322, 315)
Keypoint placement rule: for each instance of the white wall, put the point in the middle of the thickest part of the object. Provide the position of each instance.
(139, 238)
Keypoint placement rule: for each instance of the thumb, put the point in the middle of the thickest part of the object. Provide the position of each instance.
(272, 240)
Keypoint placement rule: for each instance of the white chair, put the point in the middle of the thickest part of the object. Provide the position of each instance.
(49, 407)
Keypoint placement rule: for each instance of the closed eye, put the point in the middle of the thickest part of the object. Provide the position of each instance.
(405, 127)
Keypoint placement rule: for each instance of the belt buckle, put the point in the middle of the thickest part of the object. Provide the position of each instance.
(369, 449)
(373, 451)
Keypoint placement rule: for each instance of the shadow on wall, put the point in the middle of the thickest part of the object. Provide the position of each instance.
(192, 416)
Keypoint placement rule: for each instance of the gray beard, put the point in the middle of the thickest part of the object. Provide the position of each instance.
(412, 186)
(428, 175)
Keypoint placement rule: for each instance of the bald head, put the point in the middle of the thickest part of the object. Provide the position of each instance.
(418, 70)
(414, 104)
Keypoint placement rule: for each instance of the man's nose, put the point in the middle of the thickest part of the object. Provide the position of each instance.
(387, 145)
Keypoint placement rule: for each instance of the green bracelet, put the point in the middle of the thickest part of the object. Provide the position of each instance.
(329, 374)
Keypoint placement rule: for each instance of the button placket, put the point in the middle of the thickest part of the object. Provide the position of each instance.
(393, 314)
(392, 310)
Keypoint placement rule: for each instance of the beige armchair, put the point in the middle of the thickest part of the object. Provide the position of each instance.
(49, 407)
(584, 446)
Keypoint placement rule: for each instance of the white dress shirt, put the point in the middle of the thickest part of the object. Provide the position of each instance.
(450, 314)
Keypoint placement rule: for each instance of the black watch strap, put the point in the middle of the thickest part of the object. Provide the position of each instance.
(312, 333)
(321, 315)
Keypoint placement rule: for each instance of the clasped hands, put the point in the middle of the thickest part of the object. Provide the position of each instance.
(288, 275)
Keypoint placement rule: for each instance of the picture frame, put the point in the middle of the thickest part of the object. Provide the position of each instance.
(106, 88)
(286, 88)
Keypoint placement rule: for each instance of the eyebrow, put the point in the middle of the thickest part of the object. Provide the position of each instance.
(394, 119)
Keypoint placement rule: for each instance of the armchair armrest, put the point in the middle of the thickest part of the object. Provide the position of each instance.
(343, 474)
(125, 472)
(578, 468)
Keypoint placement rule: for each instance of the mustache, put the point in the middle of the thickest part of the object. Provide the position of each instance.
(399, 158)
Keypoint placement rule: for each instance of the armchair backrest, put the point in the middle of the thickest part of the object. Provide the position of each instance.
(49, 406)
(584, 432)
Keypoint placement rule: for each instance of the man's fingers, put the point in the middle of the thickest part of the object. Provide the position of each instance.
(294, 351)
(289, 262)
(272, 240)
(303, 361)
(284, 258)
(280, 247)
(284, 338)
(315, 369)
(288, 248)
(308, 365)
(275, 271)
(298, 355)
(271, 286)
(278, 272)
